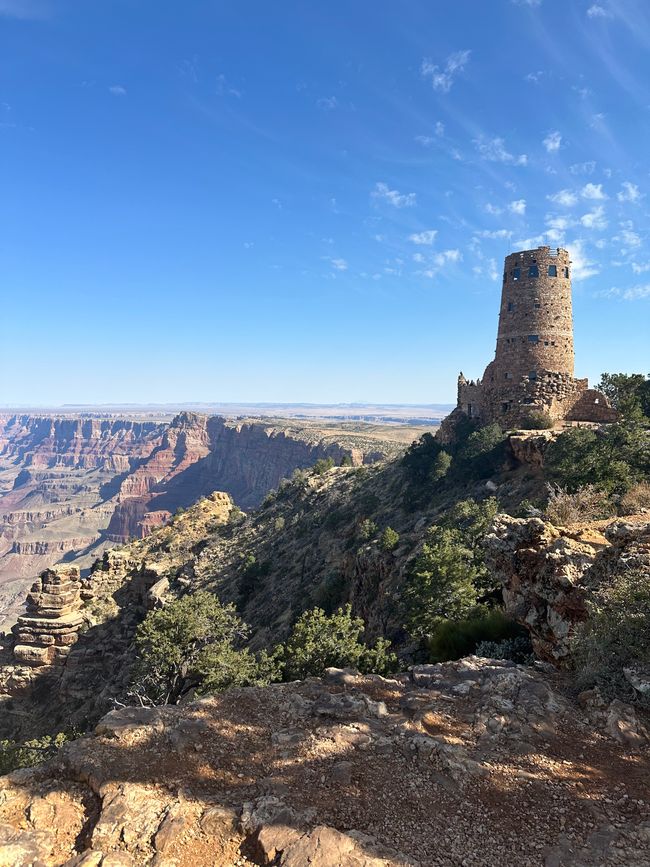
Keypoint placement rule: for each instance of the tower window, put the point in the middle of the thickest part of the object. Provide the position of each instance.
(533, 338)
(507, 376)
(537, 305)
(552, 270)
(532, 376)
(511, 306)
(533, 271)
(566, 273)
(516, 273)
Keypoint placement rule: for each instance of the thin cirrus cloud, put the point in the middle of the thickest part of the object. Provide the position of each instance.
(383, 193)
(518, 207)
(494, 150)
(117, 90)
(443, 77)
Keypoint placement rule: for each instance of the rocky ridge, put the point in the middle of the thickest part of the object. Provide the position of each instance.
(548, 573)
(478, 763)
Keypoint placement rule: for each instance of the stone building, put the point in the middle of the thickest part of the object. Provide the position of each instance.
(532, 371)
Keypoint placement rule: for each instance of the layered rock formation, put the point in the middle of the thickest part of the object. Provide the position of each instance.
(51, 625)
(72, 487)
(478, 763)
(548, 573)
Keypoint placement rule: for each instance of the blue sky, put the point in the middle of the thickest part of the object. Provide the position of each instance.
(311, 201)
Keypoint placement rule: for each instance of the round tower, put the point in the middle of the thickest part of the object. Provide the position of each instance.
(535, 321)
(534, 361)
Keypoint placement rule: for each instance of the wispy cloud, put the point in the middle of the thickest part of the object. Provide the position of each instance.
(531, 3)
(494, 150)
(225, 88)
(594, 219)
(566, 198)
(427, 237)
(443, 77)
(382, 192)
(117, 90)
(494, 234)
(327, 103)
(628, 193)
(23, 9)
(598, 11)
(495, 210)
(582, 267)
(553, 142)
(518, 207)
(586, 168)
(339, 264)
(593, 191)
(633, 293)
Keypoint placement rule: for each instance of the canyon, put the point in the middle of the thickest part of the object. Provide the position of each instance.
(73, 486)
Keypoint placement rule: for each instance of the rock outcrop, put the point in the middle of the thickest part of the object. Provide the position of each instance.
(548, 573)
(478, 762)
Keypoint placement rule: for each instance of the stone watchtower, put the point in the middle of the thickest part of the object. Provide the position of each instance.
(533, 368)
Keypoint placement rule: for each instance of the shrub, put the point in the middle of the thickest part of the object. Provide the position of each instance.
(346, 461)
(322, 466)
(440, 583)
(613, 460)
(628, 393)
(455, 639)
(279, 524)
(192, 642)
(637, 498)
(440, 466)
(483, 453)
(389, 539)
(367, 530)
(537, 420)
(517, 650)
(26, 754)
(585, 504)
(236, 516)
(616, 636)
(318, 642)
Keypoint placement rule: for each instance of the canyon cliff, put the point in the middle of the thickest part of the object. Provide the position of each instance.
(72, 487)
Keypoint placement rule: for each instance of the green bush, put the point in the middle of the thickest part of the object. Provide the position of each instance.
(613, 459)
(389, 539)
(346, 461)
(517, 650)
(449, 576)
(440, 466)
(441, 581)
(26, 754)
(193, 643)
(367, 530)
(628, 393)
(537, 420)
(318, 642)
(322, 466)
(616, 636)
(455, 639)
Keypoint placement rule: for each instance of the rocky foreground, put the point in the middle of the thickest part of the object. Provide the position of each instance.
(477, 762)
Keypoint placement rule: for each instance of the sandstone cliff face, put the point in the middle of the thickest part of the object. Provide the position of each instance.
(73, 487)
